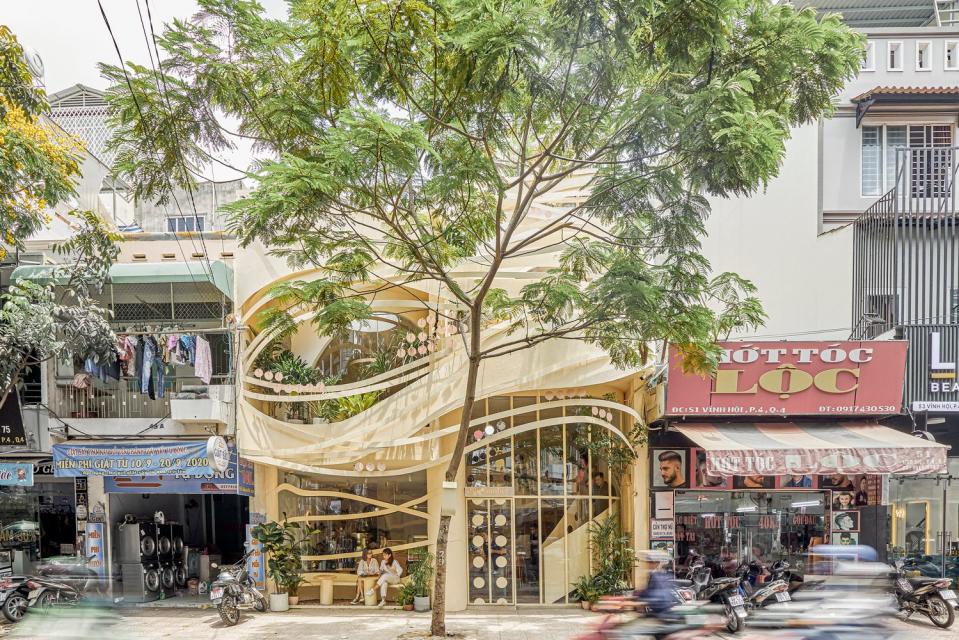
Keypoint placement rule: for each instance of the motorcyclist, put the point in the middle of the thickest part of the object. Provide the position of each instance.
(657, 595)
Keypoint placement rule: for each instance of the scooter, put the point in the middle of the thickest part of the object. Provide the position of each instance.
(14, 602)
(775, 590)
(724, 591)
(234, 590)
(930, 596)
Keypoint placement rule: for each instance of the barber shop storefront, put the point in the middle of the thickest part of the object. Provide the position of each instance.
(785, 449)
(924, 508)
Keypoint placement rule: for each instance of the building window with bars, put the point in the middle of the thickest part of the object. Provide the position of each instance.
(928, 169)
(185, 223)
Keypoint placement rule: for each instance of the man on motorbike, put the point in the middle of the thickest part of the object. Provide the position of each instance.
(657, 595)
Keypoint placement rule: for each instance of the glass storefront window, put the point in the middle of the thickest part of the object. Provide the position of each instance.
(924, 519)
(730, 528)
(551, 460)
(334, 517)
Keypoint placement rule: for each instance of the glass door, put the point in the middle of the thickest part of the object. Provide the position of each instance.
(491, 546)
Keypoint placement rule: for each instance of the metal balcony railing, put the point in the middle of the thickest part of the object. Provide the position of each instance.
(120, 398)
(906, 247)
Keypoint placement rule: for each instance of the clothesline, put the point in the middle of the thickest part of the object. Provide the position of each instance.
(167, 332)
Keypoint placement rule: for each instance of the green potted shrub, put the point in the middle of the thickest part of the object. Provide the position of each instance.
(586, 591)
(406, 596)
(281, 546)
(421, 577)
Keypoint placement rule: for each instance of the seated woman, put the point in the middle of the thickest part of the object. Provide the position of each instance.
(367, 566)
(390, 572)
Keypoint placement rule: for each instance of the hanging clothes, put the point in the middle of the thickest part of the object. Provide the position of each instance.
(159, 369)
(188, 343)
(149, 354)
(203, 364)
(137, 372)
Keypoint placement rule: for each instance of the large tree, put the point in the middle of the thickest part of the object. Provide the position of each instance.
(39, 167)
(420, 134)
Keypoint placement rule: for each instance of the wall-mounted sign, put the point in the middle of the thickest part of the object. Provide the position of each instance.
(218, 453)
(792, 378)
(489, 492)
(254, 563)
(95, 548)
(237, 479)
(18, 474)
(147, 459)
(661, 529)
(931, 372)
(11, 422)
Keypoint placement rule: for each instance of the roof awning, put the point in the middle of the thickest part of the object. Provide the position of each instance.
(903, 96)
(812, 448)
(220, 275)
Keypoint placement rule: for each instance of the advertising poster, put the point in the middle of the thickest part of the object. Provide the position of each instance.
(254, 564)
(661, 529)
(148, 459)
(94, 548)
(11, 422)
(17, 474)
(237, 479)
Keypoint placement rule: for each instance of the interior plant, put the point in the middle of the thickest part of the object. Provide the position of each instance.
(281, 545)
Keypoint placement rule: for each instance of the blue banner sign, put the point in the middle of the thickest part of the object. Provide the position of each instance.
(147, 459)
(18, 474)
(237, 479)
(254, 563)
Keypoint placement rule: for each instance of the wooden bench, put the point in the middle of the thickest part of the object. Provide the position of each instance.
(313, 579)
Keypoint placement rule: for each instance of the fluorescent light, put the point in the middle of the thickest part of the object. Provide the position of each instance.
(745, 509)
(806, 503)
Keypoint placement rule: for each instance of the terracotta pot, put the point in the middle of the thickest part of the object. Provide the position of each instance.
(585, 604)
(294, 599)
(408, 607)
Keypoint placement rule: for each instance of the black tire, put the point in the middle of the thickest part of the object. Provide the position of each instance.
(229, 613)
(148, 546)
(941, 612)
(14, 607)
(152, 580)
(733, 624)
(45, 601)
(259, 604)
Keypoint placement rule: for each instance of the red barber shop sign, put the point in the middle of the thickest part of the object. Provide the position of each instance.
(792, 378)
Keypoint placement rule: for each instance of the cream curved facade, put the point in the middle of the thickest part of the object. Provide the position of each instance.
(530, 482)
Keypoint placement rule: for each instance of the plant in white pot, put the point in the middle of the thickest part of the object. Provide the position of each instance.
(281, 545)
(421, 579)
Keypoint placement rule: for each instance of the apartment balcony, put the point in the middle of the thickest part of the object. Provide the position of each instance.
(120, 406)
(906, 247)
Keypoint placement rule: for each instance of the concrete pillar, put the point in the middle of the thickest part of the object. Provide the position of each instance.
(456, 591)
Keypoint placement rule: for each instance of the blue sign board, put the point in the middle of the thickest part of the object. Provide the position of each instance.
(147, 459)
(95, 542)
(16, 474)
(237, 479)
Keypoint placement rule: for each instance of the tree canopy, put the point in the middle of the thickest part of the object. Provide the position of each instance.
(39, 164)
(422, 135)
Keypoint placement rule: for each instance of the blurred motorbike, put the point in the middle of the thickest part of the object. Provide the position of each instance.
(14, 602)
(757, 596)
(929, 596)
(724, 591)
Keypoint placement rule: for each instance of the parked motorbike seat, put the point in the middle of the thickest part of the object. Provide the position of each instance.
(683, 583)
(919, 582)
(724, 580)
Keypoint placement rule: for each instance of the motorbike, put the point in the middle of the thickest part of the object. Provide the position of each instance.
(782, 570)
(61, 581)
(774, 590)
(234, 590)
(13, 602)
(930, 596)
(724, 591)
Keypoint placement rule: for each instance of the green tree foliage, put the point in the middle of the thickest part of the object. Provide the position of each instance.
(38, 168)
(418, 136)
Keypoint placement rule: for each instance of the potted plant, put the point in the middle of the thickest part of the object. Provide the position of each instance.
(421, 577)
(406, 596)
(585, 589)
(281, 545)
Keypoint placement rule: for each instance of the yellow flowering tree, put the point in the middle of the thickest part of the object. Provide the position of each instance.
(39, 164)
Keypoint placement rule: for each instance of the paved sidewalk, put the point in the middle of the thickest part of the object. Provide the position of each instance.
(303, 624)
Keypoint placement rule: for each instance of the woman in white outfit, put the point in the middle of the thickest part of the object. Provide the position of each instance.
(390, 572)
(367, 566)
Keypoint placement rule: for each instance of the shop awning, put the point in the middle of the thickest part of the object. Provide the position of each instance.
(812, 448)
(219, 274)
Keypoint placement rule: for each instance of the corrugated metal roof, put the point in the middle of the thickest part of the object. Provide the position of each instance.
(876, 13)
(907, 91)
